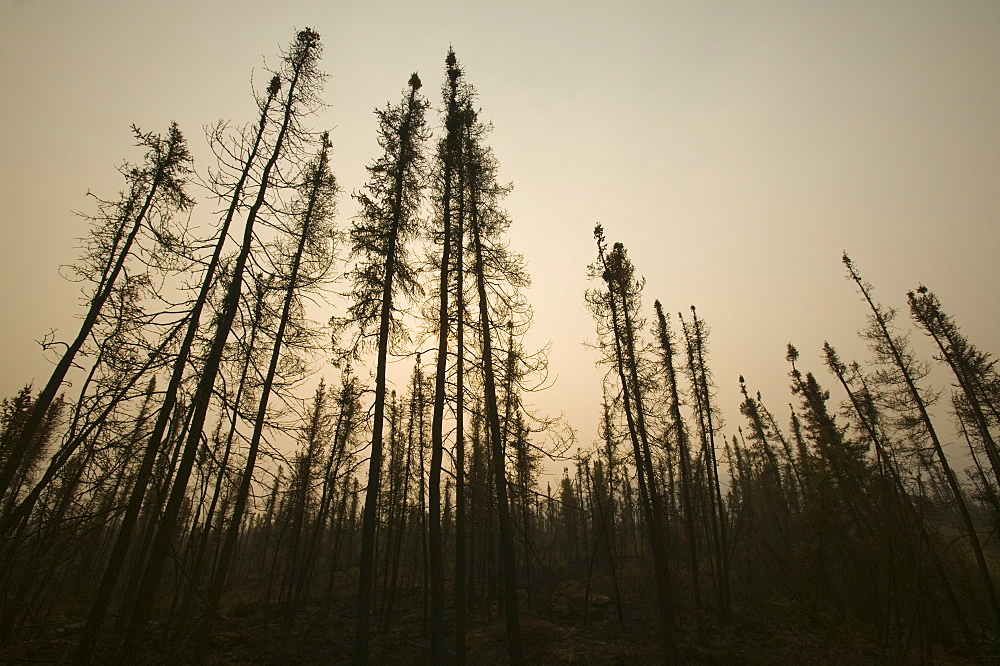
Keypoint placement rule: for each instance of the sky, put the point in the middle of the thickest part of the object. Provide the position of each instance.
(736, 149)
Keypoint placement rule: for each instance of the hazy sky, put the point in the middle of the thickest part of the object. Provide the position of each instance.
(735, 148)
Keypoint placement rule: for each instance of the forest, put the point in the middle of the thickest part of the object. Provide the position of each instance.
(226, 464)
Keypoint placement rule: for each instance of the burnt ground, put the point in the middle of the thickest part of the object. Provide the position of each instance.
(563, 626)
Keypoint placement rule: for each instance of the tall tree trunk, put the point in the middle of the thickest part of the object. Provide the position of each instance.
(448, 157)
(460, 509)
(712, 463)
(400, 198)
(320, 186)
(92, 627)
(617, 274)
(508, 573)
(683, 449)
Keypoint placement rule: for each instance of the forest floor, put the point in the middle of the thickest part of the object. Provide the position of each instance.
(762, 636)
(560, 628)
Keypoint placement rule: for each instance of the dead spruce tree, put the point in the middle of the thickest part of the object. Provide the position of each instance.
(497, 274)
(154, 189)
(384, 272)
(616, 310)
(446, 177)
(680, 439)
(289, 96)
(307, 261)
(708, 418)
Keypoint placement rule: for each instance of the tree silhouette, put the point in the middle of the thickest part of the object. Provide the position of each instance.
(898, 359)
(156, 188)
(380, 238)
(616, 311)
